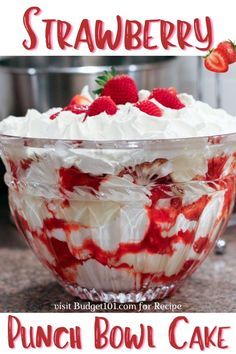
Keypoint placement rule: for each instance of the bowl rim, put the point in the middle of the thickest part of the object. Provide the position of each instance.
(166, 143)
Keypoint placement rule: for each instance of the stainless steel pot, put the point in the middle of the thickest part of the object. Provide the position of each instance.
(44, 82)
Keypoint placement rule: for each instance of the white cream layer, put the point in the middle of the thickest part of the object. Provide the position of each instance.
(196, 119)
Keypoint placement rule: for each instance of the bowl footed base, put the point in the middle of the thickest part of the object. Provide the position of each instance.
(159, 292)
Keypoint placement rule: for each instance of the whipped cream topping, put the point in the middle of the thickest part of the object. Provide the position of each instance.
(129, 123)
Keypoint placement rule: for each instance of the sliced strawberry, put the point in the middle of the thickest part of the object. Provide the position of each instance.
(76, 109)
(54, 115)
(121, 88)
(146, 173)
(149, 107)
(193, 211)
(229, 49)
(216, 167)
(172, 90)
(166, 98)
(176, 202)
(102, 104)
(79, 100)
(217, 61)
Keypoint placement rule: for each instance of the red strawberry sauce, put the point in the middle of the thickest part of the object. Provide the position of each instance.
(161, 219)
(74, 108)
(152, 242)
(72, 177)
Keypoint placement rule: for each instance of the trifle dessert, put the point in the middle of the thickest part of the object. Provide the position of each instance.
(121, 194)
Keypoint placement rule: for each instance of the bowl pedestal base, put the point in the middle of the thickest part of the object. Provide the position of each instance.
(146, 294)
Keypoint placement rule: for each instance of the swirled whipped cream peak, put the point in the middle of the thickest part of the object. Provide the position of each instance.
(118, 111)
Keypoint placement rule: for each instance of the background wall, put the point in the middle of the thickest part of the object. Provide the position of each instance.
(193, 80)
(186, 73)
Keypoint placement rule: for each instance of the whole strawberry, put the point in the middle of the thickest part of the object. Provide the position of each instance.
(121, 88)
(102, 104)
(149, 107)
(167, 98)
(229, 49)
(217, 61)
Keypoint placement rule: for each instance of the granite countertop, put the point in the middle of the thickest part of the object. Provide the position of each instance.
(25, 286)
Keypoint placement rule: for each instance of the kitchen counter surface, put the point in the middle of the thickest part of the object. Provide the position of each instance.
(25, 286)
